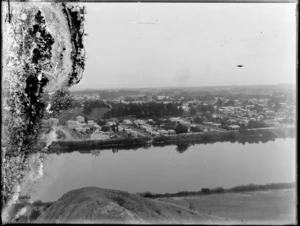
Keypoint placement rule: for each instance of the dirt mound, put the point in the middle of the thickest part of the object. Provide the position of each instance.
(97, 205)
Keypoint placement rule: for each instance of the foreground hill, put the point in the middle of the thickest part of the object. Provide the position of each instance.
(97, 205)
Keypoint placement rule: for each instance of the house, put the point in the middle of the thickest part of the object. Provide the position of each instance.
(216, 124)
(185, 107)
(111, 124)
(163, 132)
(83, 124)
(71, 124)
(140, 122)
(171, 132)
(185, 123)
(83, 136)
(162, 97)
(155, 133)
(127, 121)
(270, 113)
(91, 122)
(175, 119)
(232, 121)
(260, 117)
(234, 127)
(99, 135)
(216, 115)
(131, 132)
(80, 118)
(53, 121)
(80, 129)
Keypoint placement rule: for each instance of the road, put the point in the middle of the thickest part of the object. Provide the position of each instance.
(69, 136)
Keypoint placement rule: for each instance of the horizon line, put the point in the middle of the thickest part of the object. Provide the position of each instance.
(178, 87)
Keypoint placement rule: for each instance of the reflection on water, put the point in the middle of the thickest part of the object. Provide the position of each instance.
(163, 169)
(182, 147)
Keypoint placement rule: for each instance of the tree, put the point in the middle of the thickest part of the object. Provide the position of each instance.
(230, 103)
(61, 100)
(182, 147)
(198, 120)
(101, 122)
(219, 102)
(195, 129)
(181, 129)
(104, 128)
(193, 111)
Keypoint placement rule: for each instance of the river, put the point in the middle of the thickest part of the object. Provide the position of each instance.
(168, 169)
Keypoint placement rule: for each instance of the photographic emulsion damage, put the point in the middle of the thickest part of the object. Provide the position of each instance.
(149, 112)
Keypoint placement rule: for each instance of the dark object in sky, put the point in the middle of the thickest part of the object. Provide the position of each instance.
(240, 65)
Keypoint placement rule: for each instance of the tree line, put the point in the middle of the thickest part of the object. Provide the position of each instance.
(89, 105)
(145, 110)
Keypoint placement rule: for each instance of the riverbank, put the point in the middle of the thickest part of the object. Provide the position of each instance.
(246, 136)
(126, 143)
(275, 203)
(272, 207)
(234, 136)
(221, 190)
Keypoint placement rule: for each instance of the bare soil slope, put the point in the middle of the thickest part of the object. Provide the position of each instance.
(97, 205)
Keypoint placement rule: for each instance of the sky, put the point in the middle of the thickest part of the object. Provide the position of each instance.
(145, 45)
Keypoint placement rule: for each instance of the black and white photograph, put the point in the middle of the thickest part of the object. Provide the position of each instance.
(149, 112)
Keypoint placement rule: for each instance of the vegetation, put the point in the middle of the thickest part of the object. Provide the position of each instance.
(92, 104)
(61, 146)
(61, 100)
(145, 110)
(220, 190)
(181, 129)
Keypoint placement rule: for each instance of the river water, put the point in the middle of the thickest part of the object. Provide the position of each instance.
(168, 169)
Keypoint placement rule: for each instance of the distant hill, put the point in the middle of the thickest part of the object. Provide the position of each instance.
(134, 91)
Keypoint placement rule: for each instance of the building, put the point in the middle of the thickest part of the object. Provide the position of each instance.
(270, 113)
(260, 117)
(80, 129)
(99, 135)
(71, 124)
(234, 127)
(131, 132)
(127, 121)
(80, 118)
(163, 132)
(91, 122)
(111, 123)
(171, 132)
(140, 122)
(83, 136)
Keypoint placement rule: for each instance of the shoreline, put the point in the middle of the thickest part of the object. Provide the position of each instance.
(220, 190)
(247, 136)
